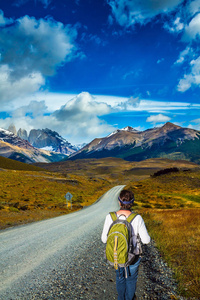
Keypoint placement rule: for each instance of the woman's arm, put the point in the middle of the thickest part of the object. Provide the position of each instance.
(143, 233)
(107, 223)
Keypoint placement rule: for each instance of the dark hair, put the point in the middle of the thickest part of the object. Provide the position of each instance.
(126, 196)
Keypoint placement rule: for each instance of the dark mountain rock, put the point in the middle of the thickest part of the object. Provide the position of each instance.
(50, 140)
(46, 139)
(22, 133)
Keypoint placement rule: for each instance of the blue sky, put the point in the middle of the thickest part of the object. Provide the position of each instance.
(86, 67)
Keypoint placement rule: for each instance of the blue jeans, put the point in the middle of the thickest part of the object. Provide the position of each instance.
(126, 286)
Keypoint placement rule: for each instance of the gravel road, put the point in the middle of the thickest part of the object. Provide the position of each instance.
(62, 258)
(32, 257)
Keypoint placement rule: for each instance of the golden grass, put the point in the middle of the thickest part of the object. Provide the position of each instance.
(31, 196)
(175, 226)
(175, 190)
(177, 235)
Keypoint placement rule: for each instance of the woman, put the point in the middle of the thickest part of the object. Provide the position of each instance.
(126, 285)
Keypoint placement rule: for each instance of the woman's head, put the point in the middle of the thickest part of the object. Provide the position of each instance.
(126, 199)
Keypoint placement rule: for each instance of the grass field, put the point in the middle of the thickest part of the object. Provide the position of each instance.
(27, 196)
(169, 204)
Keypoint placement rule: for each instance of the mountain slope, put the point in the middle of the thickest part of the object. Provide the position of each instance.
(13, 147)
(170, 141)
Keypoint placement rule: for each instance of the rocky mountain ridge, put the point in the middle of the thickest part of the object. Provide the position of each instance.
(14, 147)
(170, 140)
(45, 139)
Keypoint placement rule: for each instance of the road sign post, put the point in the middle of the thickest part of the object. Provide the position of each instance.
(68, 198)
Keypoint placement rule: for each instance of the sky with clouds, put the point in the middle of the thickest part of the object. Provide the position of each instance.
(86, 67)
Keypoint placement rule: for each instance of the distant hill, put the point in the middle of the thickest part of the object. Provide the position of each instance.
(169, 141)
(10, 164)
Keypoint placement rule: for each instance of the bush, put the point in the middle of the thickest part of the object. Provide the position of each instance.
(165, 171)
(13, 209)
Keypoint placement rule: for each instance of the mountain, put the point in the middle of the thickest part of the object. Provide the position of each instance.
(50, 140)
(46, 139)
(22, 133)
(169, 141)
(12, 128)
(13, 147)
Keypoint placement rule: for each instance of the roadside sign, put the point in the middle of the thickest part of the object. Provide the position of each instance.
(68, 197)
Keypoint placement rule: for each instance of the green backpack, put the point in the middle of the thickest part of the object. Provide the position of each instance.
(119, 246)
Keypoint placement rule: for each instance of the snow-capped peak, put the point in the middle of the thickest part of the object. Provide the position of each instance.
(6, 131)
(129, 128)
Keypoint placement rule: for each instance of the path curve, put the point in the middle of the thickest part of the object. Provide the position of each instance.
(30, 252)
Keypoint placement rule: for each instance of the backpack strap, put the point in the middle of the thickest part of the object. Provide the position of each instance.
(131, 217)
(113, 216)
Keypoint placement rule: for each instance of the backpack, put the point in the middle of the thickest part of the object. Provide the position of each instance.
(119, 246)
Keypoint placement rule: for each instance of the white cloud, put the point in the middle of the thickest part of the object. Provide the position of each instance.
(78, 120)
(3, 20)
(158, 118)
(127, 12)
(190, 14)
(130, 104)
(34, 109)
(184, 54)
(196, 121)
(178, 24)
(174, 25)
(194, 6)
(196, 125)
(148, 93)
(47, 44)
(160, 60)
(191, 79)
(81, 107)
(185, 20)
(11, 89)
(192, 30)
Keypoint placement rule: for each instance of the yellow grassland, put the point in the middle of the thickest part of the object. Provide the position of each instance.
(32, 196)
(177, 233)
(170, 206)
